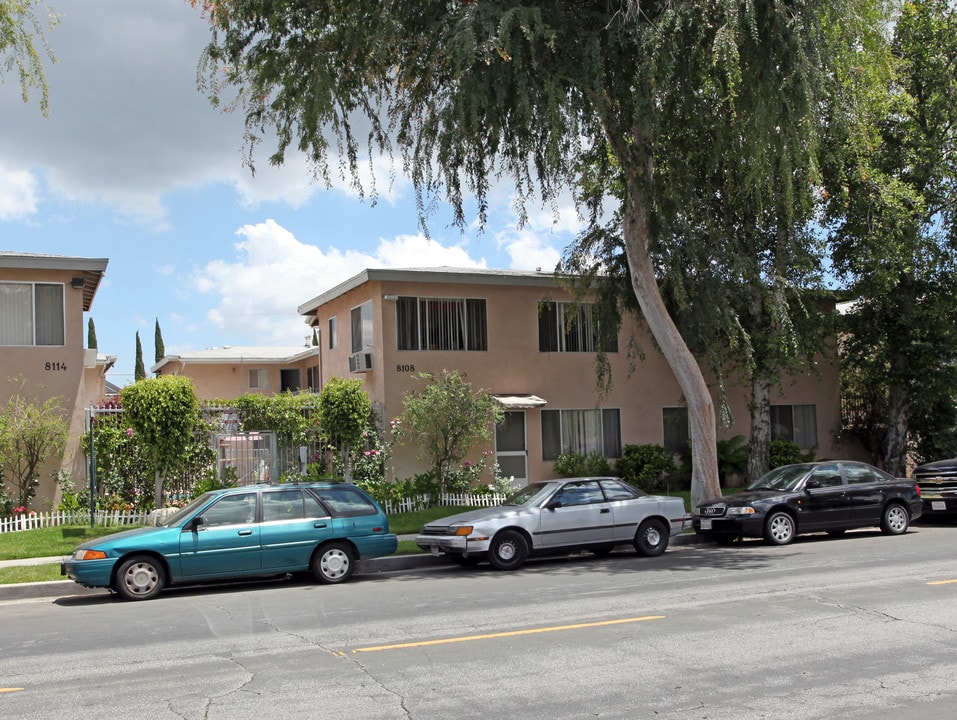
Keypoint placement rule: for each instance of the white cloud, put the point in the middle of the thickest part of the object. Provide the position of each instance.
(18, 194)
(273, 273)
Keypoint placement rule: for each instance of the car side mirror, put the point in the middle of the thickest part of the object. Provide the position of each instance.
(194, 524)
(553, 504)
(812, 485)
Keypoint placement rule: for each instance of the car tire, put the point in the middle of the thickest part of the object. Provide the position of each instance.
(464, 560)
(780, 528)
(140, 577)
(895, 520)
(652, 538)
(508, 551)
(333, 563)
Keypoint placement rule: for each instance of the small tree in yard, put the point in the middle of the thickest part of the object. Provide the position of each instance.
(344, 410)
(164, 412)
(446, 419)
(30, 434)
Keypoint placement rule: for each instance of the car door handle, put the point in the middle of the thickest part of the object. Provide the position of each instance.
(318, 525)
(245, 532)
(605, 510)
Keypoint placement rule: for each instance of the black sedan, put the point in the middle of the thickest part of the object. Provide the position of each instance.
(825, 496)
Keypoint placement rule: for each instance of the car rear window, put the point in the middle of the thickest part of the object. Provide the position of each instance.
(346, 502)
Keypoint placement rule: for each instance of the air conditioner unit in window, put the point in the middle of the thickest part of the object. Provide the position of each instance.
(360, 362)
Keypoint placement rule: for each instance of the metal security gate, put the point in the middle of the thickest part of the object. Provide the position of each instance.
(246, 458)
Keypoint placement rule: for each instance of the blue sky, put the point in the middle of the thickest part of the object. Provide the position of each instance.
(134, 165)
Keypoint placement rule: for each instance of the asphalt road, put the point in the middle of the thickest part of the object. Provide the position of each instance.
(862, 626)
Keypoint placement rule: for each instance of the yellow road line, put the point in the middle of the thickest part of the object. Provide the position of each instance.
(3, 690)
(942, 582)
(512, 633)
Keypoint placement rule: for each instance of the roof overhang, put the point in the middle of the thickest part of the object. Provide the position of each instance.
(520, 402)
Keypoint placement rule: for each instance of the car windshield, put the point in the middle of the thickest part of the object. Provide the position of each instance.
(530, 494)
(186, 511)
(782, 478)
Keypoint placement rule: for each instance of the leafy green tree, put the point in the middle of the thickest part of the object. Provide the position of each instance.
(91, 335)
(469, 91)
(21, 43)
(139, 370)
(159, 349)
(31, 432)
(446, 419)
(164, 413)
(895, 243)
(287, 414)
(344, 412)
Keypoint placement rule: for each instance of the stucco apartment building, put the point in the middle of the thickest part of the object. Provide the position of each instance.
(42, 353)
(520, 336)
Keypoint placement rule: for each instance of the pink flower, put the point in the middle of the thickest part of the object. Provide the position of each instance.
(467, 463)
(129, 432)
(19, 510)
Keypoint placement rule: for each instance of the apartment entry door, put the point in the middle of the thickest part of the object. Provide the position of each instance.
(511, 453)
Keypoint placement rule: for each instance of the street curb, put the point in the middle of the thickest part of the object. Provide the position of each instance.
(392, 563)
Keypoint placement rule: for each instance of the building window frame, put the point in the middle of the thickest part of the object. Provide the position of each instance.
(425, 323)
(797, 423)
(360, 318)
(572, 327)
(584, 431)
(258, 378)
(32, 314)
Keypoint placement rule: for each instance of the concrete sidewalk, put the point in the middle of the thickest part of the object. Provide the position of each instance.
(391, 563)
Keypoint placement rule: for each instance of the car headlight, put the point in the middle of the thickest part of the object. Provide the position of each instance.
(745, 510)
(89, 555)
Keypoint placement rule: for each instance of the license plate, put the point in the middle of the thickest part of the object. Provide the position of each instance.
(434, 549)
(938, 505)
(705, 523)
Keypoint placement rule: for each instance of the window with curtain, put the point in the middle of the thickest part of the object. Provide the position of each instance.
(441, 324)
(581, 431)
(32, 314)
(571, 327)
(677, 438)
(797, 423)
(361, 321)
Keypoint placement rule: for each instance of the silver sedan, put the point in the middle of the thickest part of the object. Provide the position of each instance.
(595, 513)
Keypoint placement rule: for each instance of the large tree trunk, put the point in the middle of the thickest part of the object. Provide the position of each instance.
(701, 418)
(759, 443)
(895, 444)
(158, 490)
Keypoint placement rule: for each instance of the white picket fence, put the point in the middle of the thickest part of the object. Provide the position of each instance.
(33, 520)
(56, 518)
(455, 500)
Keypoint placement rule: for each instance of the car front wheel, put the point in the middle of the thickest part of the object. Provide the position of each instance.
(333, 563)
(140, 578)
(651, 538)
(895, 520)
(779, 529)
(508, 550)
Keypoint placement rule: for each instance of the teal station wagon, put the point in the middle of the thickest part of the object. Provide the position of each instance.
(241, 532)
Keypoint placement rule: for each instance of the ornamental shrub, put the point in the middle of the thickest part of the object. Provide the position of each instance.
(645, 466)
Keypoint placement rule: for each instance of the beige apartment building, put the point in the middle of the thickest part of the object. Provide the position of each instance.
(228, 372)
(520, 336)
(42, 354)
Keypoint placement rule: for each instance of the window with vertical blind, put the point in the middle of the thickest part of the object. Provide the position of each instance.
(585, 432)
(32, 314)
(424, 323)
(572, 327)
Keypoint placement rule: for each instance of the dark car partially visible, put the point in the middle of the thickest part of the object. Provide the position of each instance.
(938, 488)
(829, 496)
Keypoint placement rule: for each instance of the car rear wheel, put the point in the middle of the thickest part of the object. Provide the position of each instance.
(508, 550)
(141, 577)
(895, 519)
(779, 529)
(333, 563)
(651, 538)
